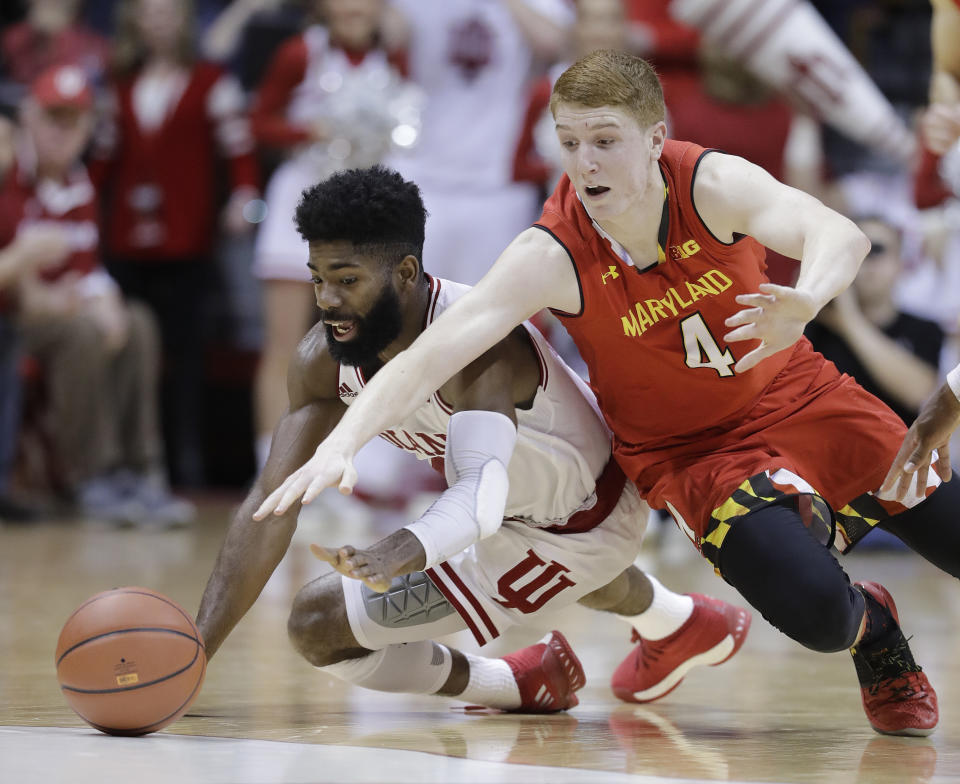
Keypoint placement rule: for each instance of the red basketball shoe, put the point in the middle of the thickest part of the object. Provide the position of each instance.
(714, 632)
(897, 697)
(547, 674)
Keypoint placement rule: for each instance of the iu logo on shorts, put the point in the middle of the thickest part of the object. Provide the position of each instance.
(545, 585)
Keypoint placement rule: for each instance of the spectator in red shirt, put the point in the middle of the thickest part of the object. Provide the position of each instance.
(175, 118)
(99, 353)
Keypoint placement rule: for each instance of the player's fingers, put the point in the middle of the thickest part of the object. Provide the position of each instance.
(903, 488)
(898, 467)
(292, 493)
(741, 317)
(377, 582)
(888, 481)
(752, 359)
(923, 471)
(270, 502)
(776, 290)
(327, 554)
(349, 478)
(363, 571)
(943, 462)
(893, 473)
(746, 332)
(313, 488)
(755, 300)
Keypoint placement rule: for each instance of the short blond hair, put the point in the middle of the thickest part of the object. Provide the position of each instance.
(608, 77)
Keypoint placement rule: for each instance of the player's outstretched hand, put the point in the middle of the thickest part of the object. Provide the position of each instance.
(327, 467)
(935, 423)
(362, 565)
(776, 317)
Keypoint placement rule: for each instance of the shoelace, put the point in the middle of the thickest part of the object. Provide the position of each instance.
(890, 665)
(649, 651)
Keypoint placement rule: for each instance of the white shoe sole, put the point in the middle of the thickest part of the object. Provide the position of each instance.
(714, 655)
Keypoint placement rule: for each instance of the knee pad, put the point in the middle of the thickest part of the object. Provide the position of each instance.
(413, 608)
(411, 668)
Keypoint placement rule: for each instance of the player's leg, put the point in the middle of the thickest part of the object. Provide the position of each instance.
(673, 633)
(771, 557)
(932, 528)
(332, 615)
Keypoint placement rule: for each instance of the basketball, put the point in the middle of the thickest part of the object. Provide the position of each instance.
(130, 661)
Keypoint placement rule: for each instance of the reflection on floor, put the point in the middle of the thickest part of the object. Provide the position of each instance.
(775, 713)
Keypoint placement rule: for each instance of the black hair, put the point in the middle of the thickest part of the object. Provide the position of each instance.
(375, 209)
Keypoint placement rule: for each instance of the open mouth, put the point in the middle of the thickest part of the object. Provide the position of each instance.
(342, 330)
(596, 190)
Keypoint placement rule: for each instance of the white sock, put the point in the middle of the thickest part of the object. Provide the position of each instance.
(667, 612)
(491, 684)
(411, 668)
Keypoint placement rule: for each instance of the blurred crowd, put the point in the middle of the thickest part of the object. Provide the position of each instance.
(152, 285)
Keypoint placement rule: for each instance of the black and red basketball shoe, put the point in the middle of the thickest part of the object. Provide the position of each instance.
(897, 697)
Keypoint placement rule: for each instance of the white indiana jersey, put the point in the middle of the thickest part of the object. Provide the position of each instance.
(563, 446)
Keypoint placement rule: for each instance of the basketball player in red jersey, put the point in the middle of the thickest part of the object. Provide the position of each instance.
(649, 251)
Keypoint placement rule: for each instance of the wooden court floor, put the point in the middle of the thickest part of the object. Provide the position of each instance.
(775, 713)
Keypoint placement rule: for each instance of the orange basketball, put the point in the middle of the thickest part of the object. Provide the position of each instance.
(130, 661)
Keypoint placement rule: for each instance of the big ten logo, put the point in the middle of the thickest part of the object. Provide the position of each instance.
(684, 251)
(545, 581)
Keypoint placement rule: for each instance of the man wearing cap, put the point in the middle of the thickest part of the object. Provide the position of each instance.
(99, 354)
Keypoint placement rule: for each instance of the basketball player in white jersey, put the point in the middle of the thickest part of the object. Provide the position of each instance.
(537, 515)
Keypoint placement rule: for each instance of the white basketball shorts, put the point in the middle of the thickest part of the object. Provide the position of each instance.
(506, 579)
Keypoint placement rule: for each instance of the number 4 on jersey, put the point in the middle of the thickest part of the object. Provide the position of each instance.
(702, 348)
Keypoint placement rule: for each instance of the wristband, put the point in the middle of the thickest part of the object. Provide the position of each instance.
(478, 451)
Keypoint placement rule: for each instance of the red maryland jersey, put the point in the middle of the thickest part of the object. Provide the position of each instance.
(653, 338)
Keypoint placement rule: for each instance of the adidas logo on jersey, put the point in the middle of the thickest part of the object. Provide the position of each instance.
(345, 391)
(684, 251)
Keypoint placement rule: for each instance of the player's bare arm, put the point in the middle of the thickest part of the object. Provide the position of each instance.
(252, 550)
(533, 273)
(735, 197)
(501, 380)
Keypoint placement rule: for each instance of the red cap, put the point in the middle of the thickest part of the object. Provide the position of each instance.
(62, 86)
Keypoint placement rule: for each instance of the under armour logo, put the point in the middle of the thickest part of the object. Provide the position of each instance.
(611, 274)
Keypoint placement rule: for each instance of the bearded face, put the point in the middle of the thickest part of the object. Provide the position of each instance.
(356, 339)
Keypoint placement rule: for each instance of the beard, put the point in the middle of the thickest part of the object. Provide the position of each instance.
(374, 332)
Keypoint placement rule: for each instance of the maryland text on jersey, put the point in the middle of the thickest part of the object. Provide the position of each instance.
(649, 312)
